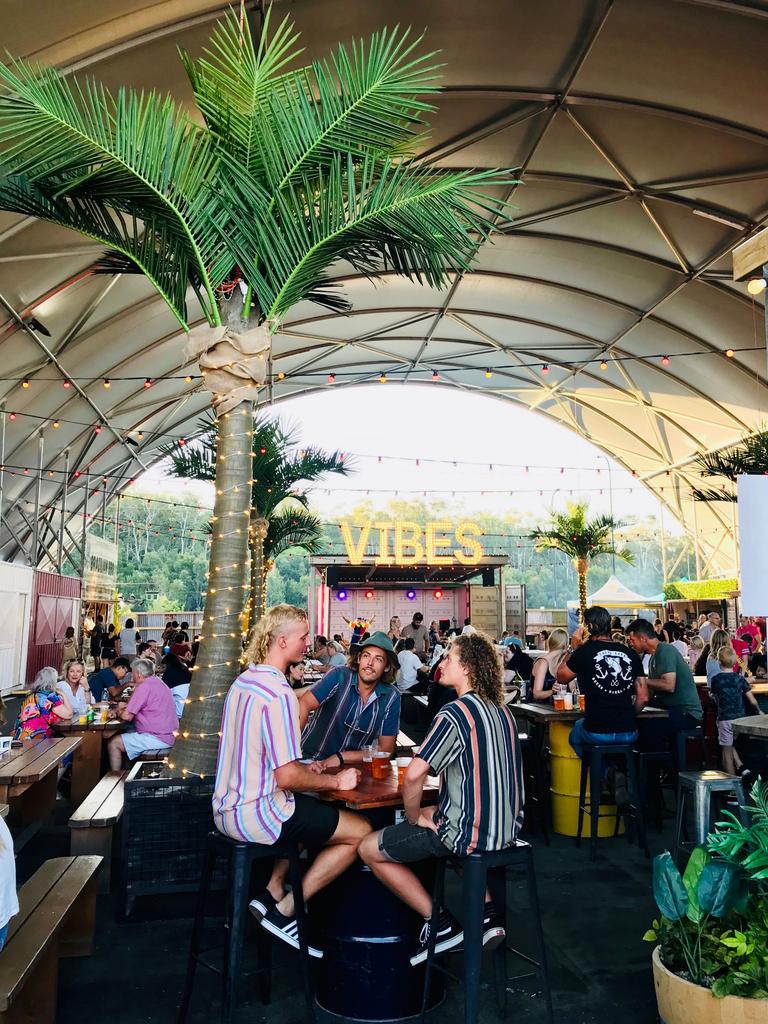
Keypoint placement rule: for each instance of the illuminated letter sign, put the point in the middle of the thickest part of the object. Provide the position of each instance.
(407, 543)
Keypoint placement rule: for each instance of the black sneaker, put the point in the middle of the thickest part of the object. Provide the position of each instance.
(449, 935)
(261, 905)
(745, 774)
(493, 927)
(287, 930)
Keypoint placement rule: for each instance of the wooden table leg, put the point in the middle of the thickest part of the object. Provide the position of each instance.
(86, 766)
(35, 803)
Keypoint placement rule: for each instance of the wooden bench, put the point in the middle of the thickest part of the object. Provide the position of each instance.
(93, 824)
(57, 917)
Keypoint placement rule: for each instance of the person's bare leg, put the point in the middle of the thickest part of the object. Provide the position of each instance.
(333, 860)
(115, 750)
(397, 877)
(276, 883)
(731, 760)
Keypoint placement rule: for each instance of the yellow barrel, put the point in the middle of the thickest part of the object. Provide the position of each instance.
(565, 769)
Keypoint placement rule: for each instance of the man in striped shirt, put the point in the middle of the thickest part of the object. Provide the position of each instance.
(259, 795)
(473, 747)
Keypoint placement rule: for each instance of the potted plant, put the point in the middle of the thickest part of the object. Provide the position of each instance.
(710, 964)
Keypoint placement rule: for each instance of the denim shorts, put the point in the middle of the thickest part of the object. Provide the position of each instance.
(405, 843)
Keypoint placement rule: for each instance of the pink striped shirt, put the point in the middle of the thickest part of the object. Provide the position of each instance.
(259, 733)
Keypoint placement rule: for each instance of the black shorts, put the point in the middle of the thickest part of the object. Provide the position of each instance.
(406, 843)
(312, 823)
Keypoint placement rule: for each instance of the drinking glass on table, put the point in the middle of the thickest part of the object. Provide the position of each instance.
(369, 752)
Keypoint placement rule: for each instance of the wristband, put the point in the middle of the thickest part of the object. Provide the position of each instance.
(341, 759)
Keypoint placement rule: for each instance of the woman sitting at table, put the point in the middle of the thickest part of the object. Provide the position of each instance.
(295, 675)
(42, 706)
(544, 669)
(74, 686)
(176, 673)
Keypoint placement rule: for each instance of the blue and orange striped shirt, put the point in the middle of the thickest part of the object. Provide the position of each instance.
(473, 747)
(259, 733)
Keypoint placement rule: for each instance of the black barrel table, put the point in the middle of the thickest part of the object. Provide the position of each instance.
(368, 935)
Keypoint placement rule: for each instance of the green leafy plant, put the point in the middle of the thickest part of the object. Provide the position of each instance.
(745, 845)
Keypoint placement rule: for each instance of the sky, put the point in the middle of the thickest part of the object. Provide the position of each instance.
(401, 424)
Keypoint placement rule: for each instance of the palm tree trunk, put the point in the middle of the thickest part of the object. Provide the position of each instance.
(218, 661)
(582, 567)
(257, 533)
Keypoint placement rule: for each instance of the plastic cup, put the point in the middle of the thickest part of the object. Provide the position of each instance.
(568, 701)
(83, 720)
(367, 760)
(381, 765)
(559, 702)
(582, 702)
(402, 768)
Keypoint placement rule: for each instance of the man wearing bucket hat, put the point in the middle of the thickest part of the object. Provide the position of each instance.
(353, 706)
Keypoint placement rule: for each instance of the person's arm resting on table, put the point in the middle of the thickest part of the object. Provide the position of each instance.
(413, 789)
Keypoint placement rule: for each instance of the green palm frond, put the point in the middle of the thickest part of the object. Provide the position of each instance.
(712, 494)
(370, 212)
(131, 151)
(233, 79)
(747, 458)
(130, 246)
(292, 528)
(579, 538)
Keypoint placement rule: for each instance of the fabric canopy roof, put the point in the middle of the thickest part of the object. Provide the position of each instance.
(613, 594)
(639, 127)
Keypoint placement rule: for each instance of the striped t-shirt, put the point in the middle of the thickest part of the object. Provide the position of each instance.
(473, 747)
(259, 733)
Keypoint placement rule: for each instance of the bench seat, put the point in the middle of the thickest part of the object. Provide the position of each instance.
(57, 917)
(93, 823)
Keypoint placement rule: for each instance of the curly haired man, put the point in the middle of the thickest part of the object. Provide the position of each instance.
(474, 748)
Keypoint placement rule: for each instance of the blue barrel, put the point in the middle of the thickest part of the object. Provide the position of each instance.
(368, 936)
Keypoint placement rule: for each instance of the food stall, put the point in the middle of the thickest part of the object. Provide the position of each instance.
(371, 571)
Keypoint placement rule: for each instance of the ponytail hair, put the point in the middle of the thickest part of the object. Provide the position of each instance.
(269, 627)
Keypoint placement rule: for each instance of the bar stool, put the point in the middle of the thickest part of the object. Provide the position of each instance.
(702, 785)
(240, 859)
(674, 758)
(536, 792)
(592, 763)
(481, 870)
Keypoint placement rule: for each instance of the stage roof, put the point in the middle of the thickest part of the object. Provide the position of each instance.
(641, 133)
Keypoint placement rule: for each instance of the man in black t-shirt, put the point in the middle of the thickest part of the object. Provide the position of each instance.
(611, 677)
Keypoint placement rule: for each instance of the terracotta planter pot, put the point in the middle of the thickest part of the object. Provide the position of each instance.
(680, 1002)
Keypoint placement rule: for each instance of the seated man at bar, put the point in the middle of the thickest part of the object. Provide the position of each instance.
(612, 680)
(671, 686)
(473, 747)
(352, 706)
(152, 711)
(111, 675)
(261, 784)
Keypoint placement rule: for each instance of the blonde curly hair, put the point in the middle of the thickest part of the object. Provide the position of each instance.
(477, 653)
(268, 628)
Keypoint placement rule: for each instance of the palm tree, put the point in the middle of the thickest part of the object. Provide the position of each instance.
(581, 540)
(291, 169)
(747, 458)
(276, 497)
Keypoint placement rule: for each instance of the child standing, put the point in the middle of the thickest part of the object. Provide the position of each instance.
(730, 689)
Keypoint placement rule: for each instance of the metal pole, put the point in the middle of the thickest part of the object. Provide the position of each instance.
(117, 517)
(663, 538)
(85, 521)
(64, 490)
(610, 499)
(696, 550)
(104, 510)
(38, 492)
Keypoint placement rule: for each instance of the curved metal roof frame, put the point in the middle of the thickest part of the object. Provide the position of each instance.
(640, 130)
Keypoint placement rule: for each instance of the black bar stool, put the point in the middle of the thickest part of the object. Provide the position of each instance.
(481, 870)
(674, 759)
(240, 859)
(592, 763)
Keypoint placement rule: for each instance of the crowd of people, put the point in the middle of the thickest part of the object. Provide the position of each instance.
(277, 747)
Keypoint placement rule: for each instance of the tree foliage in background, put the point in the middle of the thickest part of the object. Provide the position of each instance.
(279, 493)
(581, 539)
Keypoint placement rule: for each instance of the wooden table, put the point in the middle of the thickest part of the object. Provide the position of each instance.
(372, 794)
(543, 714)
(86, 767)
(753, 725)
(28, 776)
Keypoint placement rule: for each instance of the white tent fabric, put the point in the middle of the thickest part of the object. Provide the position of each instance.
(613, 594)
(640, 134)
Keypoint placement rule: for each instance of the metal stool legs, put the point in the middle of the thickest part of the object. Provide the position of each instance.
(197, 931)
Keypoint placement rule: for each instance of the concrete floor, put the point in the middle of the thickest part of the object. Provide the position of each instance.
(594, 917)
